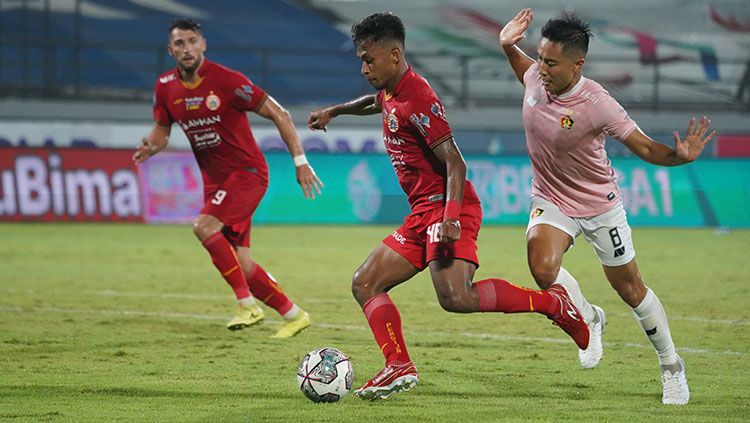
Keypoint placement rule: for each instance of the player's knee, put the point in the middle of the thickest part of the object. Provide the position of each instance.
(544, 272)
(358, 287)
(453, 303)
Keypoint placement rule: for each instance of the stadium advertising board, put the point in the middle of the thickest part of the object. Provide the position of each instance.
(363, 189)
(68, 185)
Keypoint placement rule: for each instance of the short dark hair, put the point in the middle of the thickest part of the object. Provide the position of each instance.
(570, 31)
(185, 25)
(378, 27)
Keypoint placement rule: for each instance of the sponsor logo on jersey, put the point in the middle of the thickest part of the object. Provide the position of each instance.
(196, 123)
(438, 110)
(193, 103)
(611, 196)
(244, 92)
(213, 102)
(531, 101)
(398, 237)
(393, 141)
(165, 79)
(205, 140)
(420, 122)
(392, 121)
(566, 122)
(178, 101)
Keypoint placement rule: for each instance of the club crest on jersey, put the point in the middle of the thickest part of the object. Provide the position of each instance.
(392, 121)
(193, 103)
(566, 122)
(438, 110)
(213, 102)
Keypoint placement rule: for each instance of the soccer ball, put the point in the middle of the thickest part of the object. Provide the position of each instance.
(325, 375)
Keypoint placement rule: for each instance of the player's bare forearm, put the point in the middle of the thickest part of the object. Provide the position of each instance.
(519, 61)
(513, 32)
(361, 106)
(685, 150)
(153, 143)
(449, 154)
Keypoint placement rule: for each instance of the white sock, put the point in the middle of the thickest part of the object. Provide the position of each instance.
(650, 314)
(247, 301)
(568, 281)
(292, 313)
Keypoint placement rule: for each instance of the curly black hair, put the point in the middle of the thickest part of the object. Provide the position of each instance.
(378, 27)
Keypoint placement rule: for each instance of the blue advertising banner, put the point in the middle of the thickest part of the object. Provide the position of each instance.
(362, 188)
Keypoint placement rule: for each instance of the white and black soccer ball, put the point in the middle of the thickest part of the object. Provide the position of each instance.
(325, 375)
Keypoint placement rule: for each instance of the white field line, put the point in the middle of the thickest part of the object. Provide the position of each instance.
(136, 313)
(215, 297)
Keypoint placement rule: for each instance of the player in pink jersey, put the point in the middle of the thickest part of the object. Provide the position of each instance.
(574, 189)
(210, 102)
(441, 230)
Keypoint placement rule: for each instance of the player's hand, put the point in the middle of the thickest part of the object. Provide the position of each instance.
(143, 152)
(309, 181)
(450, 230)
(319, 119)
(515, 30)
(691, 147)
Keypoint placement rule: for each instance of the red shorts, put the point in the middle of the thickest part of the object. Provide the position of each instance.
(233, 202)
(416, 240)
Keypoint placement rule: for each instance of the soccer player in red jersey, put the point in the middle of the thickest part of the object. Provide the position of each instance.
(441, 231)
(209, 102)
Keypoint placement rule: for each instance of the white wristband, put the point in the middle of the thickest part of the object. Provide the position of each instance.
(299, 160)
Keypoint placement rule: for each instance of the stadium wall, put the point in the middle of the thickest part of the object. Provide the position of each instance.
(74, 184)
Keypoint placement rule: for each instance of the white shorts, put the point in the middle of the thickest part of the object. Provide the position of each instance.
(609, 232)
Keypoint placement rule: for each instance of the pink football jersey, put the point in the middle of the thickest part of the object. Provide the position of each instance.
(565, 138)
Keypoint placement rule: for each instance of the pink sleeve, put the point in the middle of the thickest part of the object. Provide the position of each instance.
(612, 118)
(244, 94)
(531, 72)
(160, 111)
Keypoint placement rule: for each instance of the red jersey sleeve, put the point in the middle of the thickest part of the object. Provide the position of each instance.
(243, 93)
(160, 111)
(428, 121)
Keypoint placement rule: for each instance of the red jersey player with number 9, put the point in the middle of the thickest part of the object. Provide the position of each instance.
(441, 231)
(209, 102)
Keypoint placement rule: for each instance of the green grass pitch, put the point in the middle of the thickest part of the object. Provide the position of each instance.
(126, 323)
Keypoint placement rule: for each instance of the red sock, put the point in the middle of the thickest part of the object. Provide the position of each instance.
(265, 288)
(385, 323)
(225, 260)
(500, 295)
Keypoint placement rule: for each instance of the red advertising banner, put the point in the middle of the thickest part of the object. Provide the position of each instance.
(733, 146)
(69, 185)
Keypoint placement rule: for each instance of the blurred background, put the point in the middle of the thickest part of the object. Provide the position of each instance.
(77, 76)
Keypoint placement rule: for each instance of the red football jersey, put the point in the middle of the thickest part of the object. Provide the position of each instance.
(414, 123)
(211, 112)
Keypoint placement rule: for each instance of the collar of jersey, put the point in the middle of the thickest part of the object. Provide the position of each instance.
(572, 91)
(194, 85)
(399, 86)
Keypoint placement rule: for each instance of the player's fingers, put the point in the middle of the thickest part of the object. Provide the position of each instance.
(676, 138)
(690, 127)
(706, 125)
(708, 138)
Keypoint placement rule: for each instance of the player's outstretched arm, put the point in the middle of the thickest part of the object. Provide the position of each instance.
(153, 143)
(513, 32)
(361, 106)
(448, 153)
(685, 150)
(306, 177)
